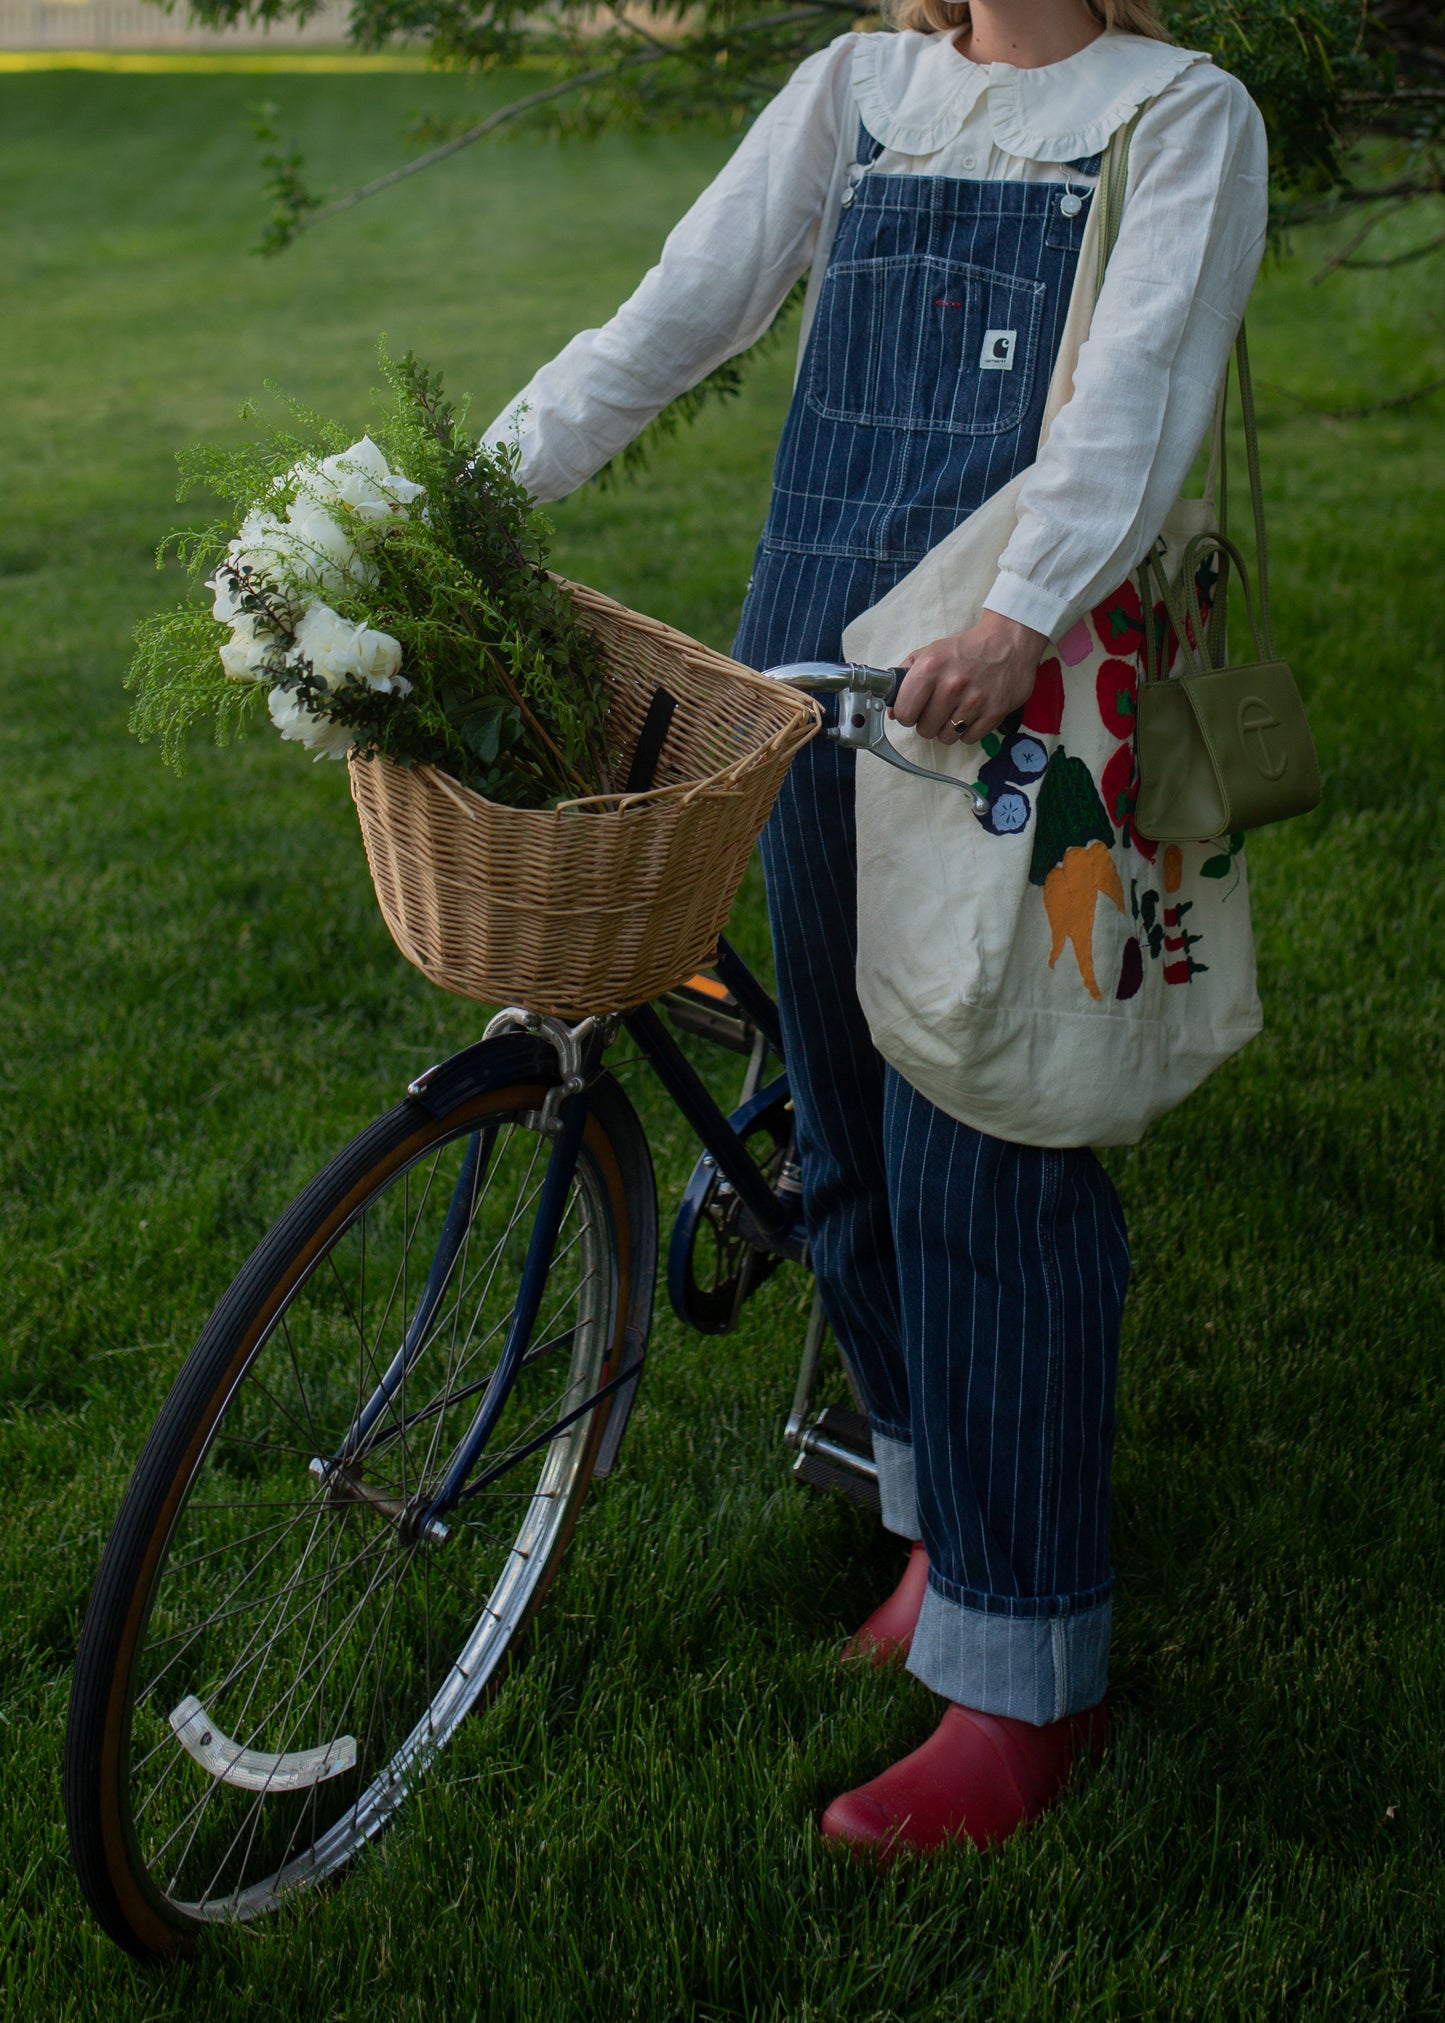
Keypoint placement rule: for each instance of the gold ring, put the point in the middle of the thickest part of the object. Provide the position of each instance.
(960, 729)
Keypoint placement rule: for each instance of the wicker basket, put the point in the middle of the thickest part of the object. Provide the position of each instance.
(597, 905)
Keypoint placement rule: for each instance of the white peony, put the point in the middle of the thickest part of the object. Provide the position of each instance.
(359, 482)
(340, 651)
(308, 550)
(226, 608)
(378, 656)
(244, 654)
(318, 554)
(318, 734)
(256, 545)
(257, 551)
(321, 545)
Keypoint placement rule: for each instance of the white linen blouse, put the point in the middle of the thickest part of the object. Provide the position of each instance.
(1190, 242)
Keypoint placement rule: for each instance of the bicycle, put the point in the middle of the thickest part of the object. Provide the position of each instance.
(371, 1462)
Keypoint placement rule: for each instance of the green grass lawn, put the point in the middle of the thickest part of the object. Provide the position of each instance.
(199, 1003)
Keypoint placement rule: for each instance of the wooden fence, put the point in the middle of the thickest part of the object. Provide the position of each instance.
(139, 24)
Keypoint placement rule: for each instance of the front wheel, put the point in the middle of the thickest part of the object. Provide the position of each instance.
(279, 1644)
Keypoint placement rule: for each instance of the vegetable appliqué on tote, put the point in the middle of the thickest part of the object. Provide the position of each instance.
(388, 596)
(1076, 817)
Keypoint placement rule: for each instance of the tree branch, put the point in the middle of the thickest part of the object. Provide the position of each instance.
(1352, 195)
(657, 52)
(1397, 259)
(478, 132)
(1353, 244)
(1404, 94)
(1354, 413)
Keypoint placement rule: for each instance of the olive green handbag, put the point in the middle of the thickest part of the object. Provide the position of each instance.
(1221, 747)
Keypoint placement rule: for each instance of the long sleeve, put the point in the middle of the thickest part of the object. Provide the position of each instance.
(1190, 241)
(724, 273)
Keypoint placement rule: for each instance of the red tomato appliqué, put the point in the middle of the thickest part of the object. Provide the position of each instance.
(1119, 621)
(1044, 710)
(1117, 684)
(1118, 784)
(1146, 846)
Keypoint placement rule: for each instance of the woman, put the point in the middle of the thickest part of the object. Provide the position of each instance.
(975, 1285)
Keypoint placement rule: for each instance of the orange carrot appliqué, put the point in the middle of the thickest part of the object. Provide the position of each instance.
(1070, 892)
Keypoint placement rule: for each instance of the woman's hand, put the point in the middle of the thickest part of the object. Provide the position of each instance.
(976, 678)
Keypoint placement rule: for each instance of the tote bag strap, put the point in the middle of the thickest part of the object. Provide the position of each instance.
(1113, 182)
(1256, 491)
(1211, 634)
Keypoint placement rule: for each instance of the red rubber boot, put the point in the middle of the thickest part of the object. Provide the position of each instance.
(886, 1635)
(978, 1777)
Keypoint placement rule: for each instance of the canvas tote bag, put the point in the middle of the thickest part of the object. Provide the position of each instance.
(1051, 976)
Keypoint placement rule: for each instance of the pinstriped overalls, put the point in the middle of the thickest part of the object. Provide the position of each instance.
(975, 1286)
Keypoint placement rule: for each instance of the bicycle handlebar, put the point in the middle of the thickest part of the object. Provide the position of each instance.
(828, 677)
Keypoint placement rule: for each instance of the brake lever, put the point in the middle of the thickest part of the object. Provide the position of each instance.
(865, 696)
(863, 727)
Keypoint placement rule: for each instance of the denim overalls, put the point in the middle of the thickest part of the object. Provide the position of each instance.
(975, 1286)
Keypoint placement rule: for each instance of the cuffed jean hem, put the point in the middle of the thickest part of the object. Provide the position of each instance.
(897, 1496)
(1035, 1668)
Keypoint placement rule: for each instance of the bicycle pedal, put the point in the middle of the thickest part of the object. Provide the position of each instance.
(707, 1008)
(837, 1453)
(816, 1473)
(850, 1428)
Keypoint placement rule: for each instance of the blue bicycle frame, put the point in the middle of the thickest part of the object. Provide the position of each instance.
(771, 1225)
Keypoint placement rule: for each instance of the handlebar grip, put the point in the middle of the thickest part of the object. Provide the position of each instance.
(898, 674)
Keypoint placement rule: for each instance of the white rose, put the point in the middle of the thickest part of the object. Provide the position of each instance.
(318, 734)
(359, 481)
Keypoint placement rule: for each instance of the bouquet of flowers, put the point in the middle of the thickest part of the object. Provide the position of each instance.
(387, 597)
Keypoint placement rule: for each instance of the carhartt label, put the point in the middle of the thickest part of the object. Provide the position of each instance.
(998, 351)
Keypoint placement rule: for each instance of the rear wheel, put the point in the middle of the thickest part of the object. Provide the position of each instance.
(279, 1645)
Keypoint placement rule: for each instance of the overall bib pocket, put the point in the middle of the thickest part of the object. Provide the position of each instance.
(920, 343)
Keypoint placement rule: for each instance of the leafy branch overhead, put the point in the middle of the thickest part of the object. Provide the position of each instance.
(1327, 74)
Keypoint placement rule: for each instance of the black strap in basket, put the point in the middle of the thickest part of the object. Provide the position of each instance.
(655, 725)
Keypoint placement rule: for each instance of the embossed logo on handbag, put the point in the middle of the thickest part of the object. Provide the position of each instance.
(998, 350)
(1254, 720)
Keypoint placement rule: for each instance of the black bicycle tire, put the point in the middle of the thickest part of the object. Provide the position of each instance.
(122, 1900)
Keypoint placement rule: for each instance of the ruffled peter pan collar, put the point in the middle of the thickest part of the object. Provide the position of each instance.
(915, 92)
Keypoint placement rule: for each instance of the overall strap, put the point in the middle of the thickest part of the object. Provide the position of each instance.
(828, 224)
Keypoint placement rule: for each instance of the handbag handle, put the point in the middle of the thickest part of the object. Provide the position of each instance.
(1199, 645)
